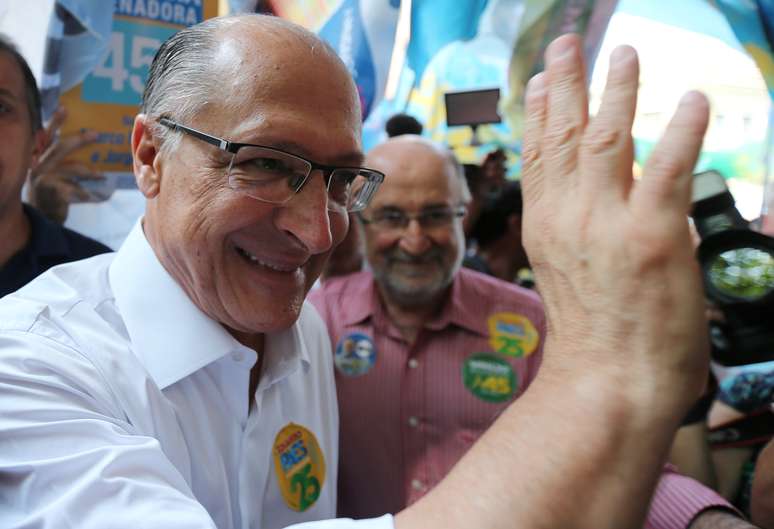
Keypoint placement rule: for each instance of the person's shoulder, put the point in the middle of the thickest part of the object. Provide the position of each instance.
(66, 244)
(344, 298)
(336, 288)
(52, 296)
(66, 324)
(55, 341)
(487, 287)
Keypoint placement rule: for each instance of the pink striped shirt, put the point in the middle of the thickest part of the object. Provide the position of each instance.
(409, 412)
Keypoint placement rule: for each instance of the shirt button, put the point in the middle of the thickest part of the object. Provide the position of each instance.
(238, 356)
(413, 363)
(413, 421)
(416, 484)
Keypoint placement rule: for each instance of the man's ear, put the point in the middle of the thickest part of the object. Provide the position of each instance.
(145, 152)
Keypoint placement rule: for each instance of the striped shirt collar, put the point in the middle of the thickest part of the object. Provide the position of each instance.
(365, 303)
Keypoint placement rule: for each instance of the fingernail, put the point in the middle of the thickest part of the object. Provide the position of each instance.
(693, 98)
(537, 85)
(561, 49)
(622, 54)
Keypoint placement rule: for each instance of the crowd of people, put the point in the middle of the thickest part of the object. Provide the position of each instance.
(297, 332)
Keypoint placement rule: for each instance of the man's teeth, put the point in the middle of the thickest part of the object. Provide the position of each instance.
(247, 254)
(255, 260)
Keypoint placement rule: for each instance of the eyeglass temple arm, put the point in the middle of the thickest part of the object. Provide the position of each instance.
(212, 140)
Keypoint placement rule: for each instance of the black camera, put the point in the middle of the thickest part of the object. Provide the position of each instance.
(737, 266)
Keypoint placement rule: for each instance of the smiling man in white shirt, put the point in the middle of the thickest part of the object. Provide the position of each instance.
(182, 382)
(156, 398)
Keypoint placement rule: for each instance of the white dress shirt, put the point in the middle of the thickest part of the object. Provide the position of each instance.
(122, 405)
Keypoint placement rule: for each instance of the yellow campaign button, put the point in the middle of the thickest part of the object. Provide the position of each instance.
(512, 334)
(300, 466)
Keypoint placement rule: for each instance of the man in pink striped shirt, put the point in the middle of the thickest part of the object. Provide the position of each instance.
(428, 354)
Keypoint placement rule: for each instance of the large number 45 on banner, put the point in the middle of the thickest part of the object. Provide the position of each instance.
(120, 77)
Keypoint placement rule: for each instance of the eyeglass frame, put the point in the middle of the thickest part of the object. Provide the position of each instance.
(375, 177)
(456, 212)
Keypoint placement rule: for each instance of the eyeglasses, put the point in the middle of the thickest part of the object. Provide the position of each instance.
(430, 218)
(275, 176)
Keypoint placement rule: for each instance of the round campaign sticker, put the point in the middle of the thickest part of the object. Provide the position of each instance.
(512, 334)
(488, 377)
(300, 466)
(355, 354)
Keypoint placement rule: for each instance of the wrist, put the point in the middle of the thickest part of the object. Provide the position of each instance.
(624, 378)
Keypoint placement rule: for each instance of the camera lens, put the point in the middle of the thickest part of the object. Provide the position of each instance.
(746, 274)
(738, 267)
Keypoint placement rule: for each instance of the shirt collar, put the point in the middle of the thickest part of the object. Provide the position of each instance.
(285, 353)
(364, 302)
(170, 335)
(458, 309)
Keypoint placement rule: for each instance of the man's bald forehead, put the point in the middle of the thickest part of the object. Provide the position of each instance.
(264, 35)
(411, 149)
(256, 56)
(405, 145)
(267, 43)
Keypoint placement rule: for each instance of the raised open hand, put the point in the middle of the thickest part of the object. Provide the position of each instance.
(612, 255)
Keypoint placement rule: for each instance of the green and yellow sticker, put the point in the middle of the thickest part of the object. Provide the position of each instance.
(300, 466)
(512, 334)
(488, 377)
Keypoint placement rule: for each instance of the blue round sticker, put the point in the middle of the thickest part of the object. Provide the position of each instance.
(355, 354)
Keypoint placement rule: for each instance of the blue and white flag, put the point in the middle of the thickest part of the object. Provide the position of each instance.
(363, 32)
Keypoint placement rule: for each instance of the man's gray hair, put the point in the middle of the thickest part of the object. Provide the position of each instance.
(182, 80)
(180, 77)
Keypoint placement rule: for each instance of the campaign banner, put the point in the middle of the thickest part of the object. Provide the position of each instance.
(97, 60)
(542, 22)
(109, 89)
(439, 23)
(363, 32)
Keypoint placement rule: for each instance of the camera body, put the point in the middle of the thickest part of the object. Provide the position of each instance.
(737, 266)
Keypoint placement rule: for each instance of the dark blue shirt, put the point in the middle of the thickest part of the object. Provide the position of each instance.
(49, 245)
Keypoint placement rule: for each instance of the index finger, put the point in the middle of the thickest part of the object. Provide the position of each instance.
(534, 125)
(56, 121)
(65, 147)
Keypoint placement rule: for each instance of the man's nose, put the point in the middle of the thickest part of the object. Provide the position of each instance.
(414, 240)
(306, 215)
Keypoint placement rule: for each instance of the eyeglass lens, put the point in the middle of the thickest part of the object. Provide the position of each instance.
(428, 218)
(274, 176)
